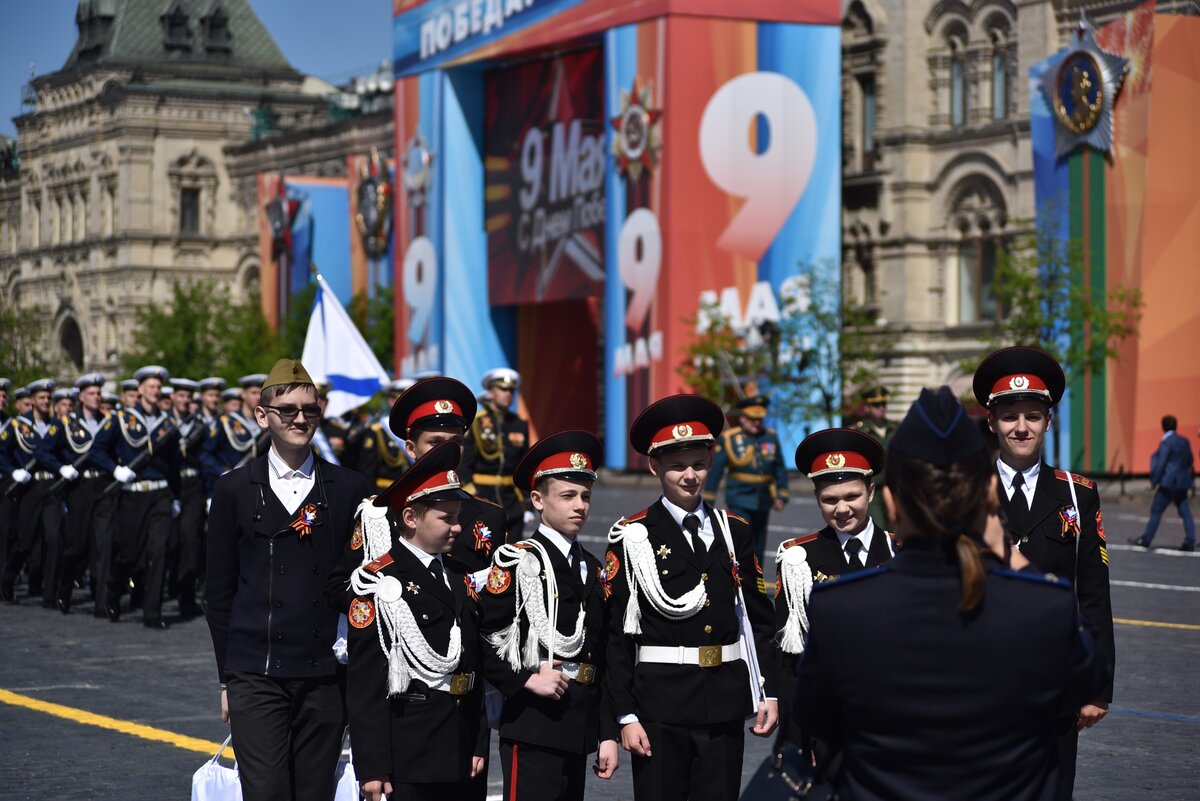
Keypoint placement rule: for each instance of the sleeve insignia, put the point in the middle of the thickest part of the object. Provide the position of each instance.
(498, 580)
(362, 613)
(1100, 529)
(612, 566)
(757, 566)
(356, 539)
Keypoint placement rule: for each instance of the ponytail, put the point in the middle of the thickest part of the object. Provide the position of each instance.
(970, 571)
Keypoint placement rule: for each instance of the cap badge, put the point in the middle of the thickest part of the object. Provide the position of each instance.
(443, 407)
(835, 461)
(681, 431)
(451, 477)
(1018, 382)
(578, 461)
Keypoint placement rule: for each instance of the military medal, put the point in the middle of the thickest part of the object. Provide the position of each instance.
(663, 552)
(305, 520)
(637, 143)
(1080, 92)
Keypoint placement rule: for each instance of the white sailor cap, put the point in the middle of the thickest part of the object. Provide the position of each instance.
(90, 380)
(506, 377)
(152, 371)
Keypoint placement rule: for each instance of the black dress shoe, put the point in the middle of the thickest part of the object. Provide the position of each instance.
(1139, 542)
(1188, 546)
(114, 613)
(157, 624)
(64, 605)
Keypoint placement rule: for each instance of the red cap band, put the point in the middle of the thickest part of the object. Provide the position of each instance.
(840, 462)
(693, 431)
(565, 462)
(1020, 383)
(430, 408)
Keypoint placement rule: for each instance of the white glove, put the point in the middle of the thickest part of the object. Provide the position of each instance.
(176, 507)
(529, 517)
(208, 504)
(123, 474)
(68, 472)
(21, 475)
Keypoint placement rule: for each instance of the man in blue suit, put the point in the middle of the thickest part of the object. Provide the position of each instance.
(1171, 471)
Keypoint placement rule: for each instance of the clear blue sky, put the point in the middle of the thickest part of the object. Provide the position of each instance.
(333, 39)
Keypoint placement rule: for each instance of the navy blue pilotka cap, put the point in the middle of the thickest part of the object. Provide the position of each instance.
(937, 430)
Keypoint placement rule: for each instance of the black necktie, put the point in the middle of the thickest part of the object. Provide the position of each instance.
(1018, 507)
(691, 524)
(853, 546)
(435, 567)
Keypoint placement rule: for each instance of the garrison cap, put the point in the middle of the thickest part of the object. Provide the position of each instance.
(433, 403)
(253, 380)
(5, 385)
(839, 453)
(21, 392)
(872, 395)
(212, 383)
(233, 393)
(60, 394)
(89, 380)
(1019, 373)
(937, 430)
(129, 385)
(430, 479)
(184, 384)
(571, 454)
(754, 407)
(285, 372)
(504, 377)
(676, 421)
(152, 371)
(41, 385)
(110, 398)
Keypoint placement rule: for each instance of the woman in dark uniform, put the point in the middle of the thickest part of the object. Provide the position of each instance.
(935, 676)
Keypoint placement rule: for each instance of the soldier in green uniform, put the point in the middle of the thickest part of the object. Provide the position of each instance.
(498, 438)
(876, 424)
(757, 474)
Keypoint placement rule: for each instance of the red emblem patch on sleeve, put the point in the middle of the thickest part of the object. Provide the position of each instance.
(757, 566)
(362, 613)
(356, 539)
(498, 580)
(1100, 525)
(612, 565)
(778, 585)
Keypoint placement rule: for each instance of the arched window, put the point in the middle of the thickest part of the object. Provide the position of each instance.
(958, 85)
(1000, 69)
(979, 218)
(862, 52)
(70, 339)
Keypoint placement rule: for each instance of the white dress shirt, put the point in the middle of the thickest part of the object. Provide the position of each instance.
(865, 536)
(290, 486)
(564, 547)
(426, 559)
(1029, 475)
(706, 531)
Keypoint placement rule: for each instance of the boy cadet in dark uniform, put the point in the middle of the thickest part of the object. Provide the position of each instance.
(1053, 516)
(680, 681)
(841, 463)
(138, 447)
(275, 530)
(414, 692)
(379, 454)
(497, 440)
(195, 489)
(39, 514)
(545, 602)
(757, 479)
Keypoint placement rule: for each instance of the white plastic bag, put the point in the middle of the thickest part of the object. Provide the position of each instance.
(215, 782)
(345, 786)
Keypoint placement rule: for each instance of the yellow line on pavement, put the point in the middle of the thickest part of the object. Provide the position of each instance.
(113, 724)
(1155, 624)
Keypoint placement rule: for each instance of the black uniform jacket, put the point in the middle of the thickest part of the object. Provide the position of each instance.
(379, 457)
(926, 702)
(575, 722)
(1047, 538)
(494, 445)
(421, 735)
(265, 607)
(688, 694)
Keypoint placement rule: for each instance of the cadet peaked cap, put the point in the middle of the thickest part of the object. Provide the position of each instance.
(431, 479)
(211, 383)
(937, 430)
(676, 421)
(875, 395)
(41, 385)
(129, 384)
(839, 453)
(570, 454)
(233, 393)
(1019, 373)
(400, 385)
(754, 407)
(253, 380)
(184, 384)
(152, 371)
(433, 403)
(504, 377)
(89, 380)
(285, 372)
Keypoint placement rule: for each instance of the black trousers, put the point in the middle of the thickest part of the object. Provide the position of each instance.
(690, 763)
(188, 544)
(91, 518)
(287, 734)
(39, 531)
(8, 523)
(439, 791)
(1067, 741)
(143, 534)
(535, 773)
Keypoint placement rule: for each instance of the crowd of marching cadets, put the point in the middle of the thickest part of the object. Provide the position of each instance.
(953, 651)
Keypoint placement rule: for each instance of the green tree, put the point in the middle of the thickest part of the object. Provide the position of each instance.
(22, 345)
(375, 318)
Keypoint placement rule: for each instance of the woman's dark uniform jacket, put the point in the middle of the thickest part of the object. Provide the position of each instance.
(578, 721)
(686, 694)
(422, 735)
(266, 607)
(1049, 542)
(925, 702)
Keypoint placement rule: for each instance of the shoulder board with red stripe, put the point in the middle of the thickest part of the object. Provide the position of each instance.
(732, 516)
(380, 563)
(1082, 481)
(634, 517)
(800, 540)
